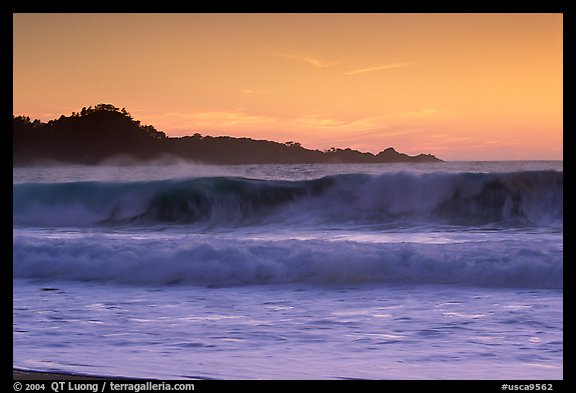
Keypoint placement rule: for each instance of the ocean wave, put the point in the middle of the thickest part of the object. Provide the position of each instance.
(214, 262)
(519, 198)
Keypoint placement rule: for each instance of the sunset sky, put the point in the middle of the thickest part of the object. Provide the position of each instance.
(460, 86)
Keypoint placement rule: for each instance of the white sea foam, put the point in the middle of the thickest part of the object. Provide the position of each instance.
(216, 262)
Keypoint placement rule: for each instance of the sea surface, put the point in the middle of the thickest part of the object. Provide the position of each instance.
(388, 271)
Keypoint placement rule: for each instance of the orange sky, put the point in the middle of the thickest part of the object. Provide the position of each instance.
(460, 86)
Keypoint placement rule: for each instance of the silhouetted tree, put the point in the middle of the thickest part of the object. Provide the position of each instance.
(96, 133)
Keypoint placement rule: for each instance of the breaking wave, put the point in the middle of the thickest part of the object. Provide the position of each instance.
(470, 199)
(214, 262)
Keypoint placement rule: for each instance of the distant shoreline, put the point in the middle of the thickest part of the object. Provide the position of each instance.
(95, 135)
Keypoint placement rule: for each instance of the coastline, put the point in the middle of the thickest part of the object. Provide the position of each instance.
(50, 376)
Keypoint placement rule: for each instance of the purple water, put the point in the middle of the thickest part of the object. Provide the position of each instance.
(430, 271)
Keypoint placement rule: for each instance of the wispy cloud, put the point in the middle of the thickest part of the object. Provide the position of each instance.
(328, 121)
(423, 115)
(377, 68)
(304, 124)
(252, 91)
(307, 58)
(223, 119)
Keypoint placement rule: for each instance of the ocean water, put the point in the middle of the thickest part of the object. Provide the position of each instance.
(388, 271)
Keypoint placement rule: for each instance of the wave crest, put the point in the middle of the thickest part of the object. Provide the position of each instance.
(520, 198)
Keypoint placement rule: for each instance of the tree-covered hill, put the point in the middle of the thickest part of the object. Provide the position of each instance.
(105, 131)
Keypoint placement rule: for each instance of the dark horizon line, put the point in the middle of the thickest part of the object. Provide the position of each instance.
(97, 133)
